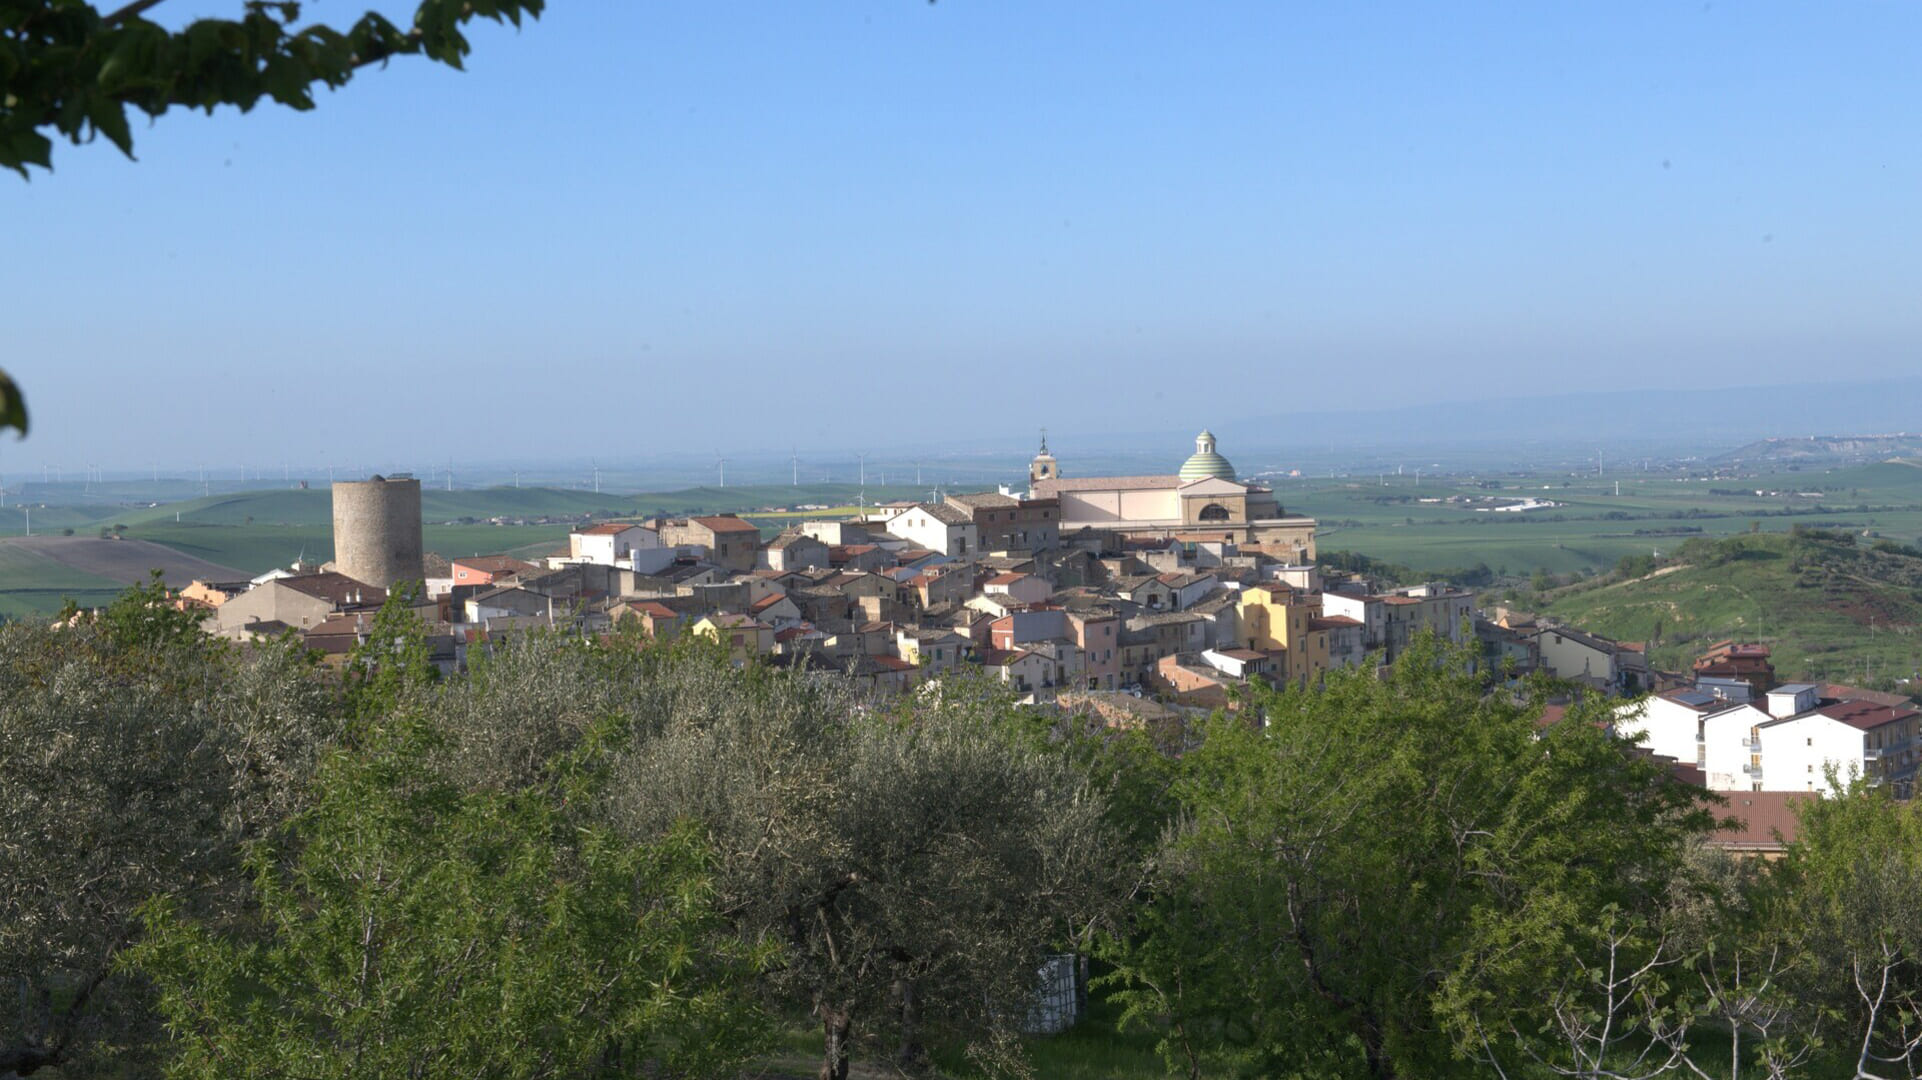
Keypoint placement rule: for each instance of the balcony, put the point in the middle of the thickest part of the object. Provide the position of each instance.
(1753, 770)
(1752, 745)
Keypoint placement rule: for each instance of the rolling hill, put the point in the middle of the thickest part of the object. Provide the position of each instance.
(1831, 604)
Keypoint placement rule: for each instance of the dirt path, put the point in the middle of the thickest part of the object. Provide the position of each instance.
(125, 561)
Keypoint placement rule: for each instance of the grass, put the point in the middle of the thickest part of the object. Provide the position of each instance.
(33, 584)
(1091, 1050)
(1385, 517)
(1830, 610)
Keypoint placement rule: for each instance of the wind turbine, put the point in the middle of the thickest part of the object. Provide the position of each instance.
(723, 464)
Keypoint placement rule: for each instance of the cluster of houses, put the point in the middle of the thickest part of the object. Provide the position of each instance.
(1742, 731)
(1179, 587)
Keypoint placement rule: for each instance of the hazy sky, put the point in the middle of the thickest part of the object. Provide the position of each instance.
(736, 225)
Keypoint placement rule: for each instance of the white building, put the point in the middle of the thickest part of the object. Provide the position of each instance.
(611, 544)
(937, 527)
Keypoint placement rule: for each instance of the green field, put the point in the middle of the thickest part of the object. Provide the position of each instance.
(253, 532)
(1830, 609)
(1594, 527)
(33, 584)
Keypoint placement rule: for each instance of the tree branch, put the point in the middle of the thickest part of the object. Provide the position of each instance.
(138, 7)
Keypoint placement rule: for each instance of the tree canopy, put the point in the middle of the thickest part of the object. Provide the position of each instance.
(71, 70)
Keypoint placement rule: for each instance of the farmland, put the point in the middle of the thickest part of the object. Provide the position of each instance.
(252, 532)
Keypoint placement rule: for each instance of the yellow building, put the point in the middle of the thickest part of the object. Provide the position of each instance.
(1278, 620)
(743, 636)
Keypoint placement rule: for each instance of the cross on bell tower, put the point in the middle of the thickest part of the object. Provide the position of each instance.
(1043, 467)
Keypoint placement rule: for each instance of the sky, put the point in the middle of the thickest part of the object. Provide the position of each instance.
(721, 226)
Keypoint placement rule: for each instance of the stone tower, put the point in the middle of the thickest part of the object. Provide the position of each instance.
(1043, 466)
(377, 536)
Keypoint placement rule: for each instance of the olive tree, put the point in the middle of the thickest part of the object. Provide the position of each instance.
(1383, 869)
(133, 761)
(411, 926)
(912, 862)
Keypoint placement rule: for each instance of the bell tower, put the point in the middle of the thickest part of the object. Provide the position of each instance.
(1043, 467)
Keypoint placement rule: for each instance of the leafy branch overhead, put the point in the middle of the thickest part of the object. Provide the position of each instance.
(68, 69)
(13, 407)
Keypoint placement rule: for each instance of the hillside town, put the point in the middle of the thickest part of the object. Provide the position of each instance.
(1125, 597)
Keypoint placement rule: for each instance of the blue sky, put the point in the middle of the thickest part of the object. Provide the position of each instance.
(739, 225)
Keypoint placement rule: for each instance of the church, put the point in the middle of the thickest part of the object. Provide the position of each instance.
(1203, 501)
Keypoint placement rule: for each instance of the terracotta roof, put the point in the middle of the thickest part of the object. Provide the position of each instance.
(1325, 622)
(986, 500)
(726, 524)
(941, 512)
(1106, 483)
(337, 589)
(1005, 579)
(1759, 815)
(1856, 693)
(611, 528)
(495, 564)
(1864, 715)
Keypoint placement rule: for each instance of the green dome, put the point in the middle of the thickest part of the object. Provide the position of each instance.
(1206, 462)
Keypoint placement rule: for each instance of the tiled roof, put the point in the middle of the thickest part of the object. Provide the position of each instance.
(1864, 715)
(495, 564)
(727, 524)
(610, 528)
(1760, 816)
(1105, 483)
(941, 512)
(337, 589)
(986, 500)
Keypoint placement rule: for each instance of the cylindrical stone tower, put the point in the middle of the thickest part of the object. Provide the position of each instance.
(377, 530)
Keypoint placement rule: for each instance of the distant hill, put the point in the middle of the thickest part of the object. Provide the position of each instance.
(1824, 450)
(1831, 604)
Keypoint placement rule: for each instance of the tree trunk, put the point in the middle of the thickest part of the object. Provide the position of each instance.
(912, 1055)
(835, 1024)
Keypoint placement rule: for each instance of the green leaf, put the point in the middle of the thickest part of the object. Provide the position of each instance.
(13, 406)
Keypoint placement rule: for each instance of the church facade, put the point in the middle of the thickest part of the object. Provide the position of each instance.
(1203, 501)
